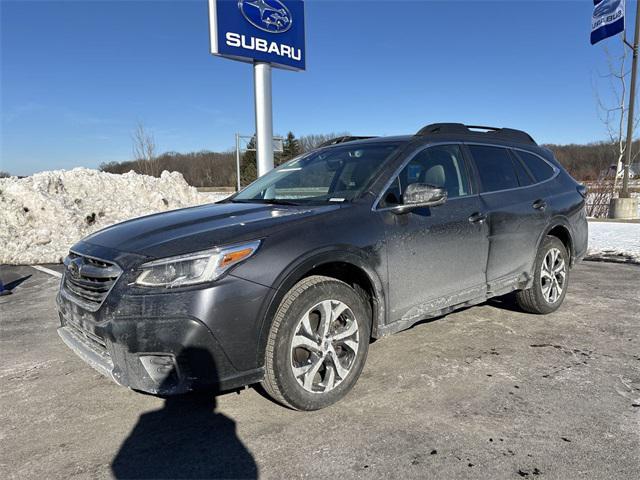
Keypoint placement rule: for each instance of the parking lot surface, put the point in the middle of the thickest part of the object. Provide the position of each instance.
(487, 392)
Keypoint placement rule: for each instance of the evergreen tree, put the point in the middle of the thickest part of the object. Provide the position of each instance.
(291, 147)
(249, 166)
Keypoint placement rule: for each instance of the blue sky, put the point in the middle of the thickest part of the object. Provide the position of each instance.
(77, 76)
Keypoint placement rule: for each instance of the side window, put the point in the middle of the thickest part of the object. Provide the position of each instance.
(441, 166)
(495, 168)
(540, 169)
(524, 178)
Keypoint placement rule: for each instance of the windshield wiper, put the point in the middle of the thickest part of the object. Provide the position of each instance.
(269, 201)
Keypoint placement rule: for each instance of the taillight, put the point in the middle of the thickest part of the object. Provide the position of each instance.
(582, 190)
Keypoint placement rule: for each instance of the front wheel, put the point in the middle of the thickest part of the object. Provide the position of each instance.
(317, 345)
(550, 281)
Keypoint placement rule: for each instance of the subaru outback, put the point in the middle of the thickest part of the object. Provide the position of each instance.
(287, 281)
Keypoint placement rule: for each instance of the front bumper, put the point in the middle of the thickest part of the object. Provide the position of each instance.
(159, 356)
(171, 342)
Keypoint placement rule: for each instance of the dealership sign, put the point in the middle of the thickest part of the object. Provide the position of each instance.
(259, 30)
(607, 19)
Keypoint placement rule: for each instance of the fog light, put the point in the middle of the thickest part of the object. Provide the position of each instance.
(161, 368)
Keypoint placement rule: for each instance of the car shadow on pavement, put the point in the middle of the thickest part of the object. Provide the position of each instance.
(7, 288)
(506, 302)
(184, 439)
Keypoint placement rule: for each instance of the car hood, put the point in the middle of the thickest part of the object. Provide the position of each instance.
(198, 228)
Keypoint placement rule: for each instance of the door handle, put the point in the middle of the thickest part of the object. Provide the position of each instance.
(540, 204)
(477, 217)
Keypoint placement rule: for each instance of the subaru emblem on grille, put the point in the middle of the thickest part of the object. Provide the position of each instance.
(88, 280)
(74, 268)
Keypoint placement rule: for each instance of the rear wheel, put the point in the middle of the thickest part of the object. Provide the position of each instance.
(551, 279)
(317, 345)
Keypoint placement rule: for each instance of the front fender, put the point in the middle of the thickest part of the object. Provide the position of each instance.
(300, 268)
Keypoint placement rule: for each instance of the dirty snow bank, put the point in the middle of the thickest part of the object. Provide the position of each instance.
(41, 216)
(614, 241)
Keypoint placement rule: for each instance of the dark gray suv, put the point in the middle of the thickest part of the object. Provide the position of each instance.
(287, 281)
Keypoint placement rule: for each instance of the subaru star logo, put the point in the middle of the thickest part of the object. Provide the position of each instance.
(606, 7)
(74, 268)
(268, 15)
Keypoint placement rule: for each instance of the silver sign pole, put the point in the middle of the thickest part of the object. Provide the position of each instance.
(238, 162)
(264, 116)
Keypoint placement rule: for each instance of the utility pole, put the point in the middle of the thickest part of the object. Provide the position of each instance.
(632, 101)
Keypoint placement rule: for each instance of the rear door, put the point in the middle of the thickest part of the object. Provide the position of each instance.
(436, 255)
(516, 206)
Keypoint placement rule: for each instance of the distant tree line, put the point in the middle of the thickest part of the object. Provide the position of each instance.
(218, 169)
(200, 169)
(589, 162)
(205, 168)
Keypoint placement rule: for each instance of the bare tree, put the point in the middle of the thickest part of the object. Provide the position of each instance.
(613, 112)
(599, 197)
(144, 151)
(309, 142)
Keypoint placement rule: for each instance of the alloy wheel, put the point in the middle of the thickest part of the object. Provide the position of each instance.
(324, 346)
(553, 273)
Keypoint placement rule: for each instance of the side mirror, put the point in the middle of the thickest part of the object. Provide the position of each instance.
(420, 195)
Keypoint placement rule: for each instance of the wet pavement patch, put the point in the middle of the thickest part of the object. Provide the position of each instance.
(526, 473)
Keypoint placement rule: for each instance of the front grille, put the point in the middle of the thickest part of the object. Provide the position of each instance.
(87, 281)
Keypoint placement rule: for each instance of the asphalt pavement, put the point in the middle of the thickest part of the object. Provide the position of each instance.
(487, 392)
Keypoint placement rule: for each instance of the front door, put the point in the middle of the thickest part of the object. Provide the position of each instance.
(436, 255)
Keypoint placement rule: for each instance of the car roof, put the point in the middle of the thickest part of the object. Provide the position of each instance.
(426, 139)
(457, 132)
(370, 140)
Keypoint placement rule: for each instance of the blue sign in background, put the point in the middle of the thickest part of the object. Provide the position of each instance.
(263, 30)
(607, 19)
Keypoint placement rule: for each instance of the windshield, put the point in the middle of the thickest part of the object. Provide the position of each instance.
(333, 175)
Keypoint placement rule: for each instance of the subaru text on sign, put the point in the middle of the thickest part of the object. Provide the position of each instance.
(259, 30)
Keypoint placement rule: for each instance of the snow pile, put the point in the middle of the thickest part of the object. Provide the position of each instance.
(614, 241)
(41, 216)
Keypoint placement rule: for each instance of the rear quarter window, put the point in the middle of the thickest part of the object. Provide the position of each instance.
(540, 169)
(524, 178)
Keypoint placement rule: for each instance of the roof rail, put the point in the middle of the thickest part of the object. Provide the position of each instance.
(461, 129)
(337, 140)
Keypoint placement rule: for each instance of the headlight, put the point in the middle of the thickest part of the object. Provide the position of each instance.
(192, 268)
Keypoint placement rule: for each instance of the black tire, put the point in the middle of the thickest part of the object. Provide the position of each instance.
(533, 299)
(280, 382)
